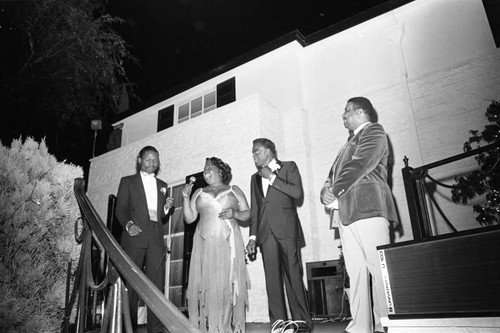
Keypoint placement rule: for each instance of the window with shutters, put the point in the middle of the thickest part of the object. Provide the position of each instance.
(165, 118)
(224, 94)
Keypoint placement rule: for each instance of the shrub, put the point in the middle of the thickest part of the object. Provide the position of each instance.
(484, 182)
(37, 215)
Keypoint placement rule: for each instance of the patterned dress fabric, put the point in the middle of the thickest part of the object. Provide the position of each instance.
(218, 279)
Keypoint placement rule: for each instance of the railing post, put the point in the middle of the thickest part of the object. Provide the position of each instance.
(82, 299)
(168, 313)
(415, 196)
(67, 299)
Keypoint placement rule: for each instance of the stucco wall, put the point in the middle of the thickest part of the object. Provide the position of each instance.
(430, 68)
(227, 134)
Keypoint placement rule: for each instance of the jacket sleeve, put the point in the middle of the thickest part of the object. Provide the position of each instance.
(290, 183)
(370, 148)
(122, 203)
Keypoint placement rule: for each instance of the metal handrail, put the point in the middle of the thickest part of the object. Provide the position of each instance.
(415, 188)
(461, 156)
(166, 312)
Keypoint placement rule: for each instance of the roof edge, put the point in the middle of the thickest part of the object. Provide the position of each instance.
(294, 35)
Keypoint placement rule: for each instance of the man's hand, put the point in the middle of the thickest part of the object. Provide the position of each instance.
(265, 172)
(252, 250)
(169, 202)
(327, 196)
(251, 247)
(133, 229)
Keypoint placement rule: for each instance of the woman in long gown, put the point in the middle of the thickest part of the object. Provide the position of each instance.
(218, 286)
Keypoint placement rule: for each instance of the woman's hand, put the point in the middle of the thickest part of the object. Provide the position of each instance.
(186, 190)
(227, 213)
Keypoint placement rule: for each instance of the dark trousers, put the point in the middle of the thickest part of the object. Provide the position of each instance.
(283, 267)
(151, 259)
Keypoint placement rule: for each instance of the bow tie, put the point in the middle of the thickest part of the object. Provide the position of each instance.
(145, 174)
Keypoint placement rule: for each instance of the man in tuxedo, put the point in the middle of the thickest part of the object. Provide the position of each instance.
(275, 227)
(357, 186)
(141, 204)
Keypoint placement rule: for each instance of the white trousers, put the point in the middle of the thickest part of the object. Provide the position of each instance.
(359, 246)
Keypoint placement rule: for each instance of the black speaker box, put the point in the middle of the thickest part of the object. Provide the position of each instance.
(454, 275)
(325, 281)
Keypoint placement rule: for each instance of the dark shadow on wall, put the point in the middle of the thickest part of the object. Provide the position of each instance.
(394, 228)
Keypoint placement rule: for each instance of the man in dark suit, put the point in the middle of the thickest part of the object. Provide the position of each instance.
(141, 204)
(358, 188)
(275, 228)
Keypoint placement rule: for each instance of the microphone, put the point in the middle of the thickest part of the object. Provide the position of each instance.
(187, 188)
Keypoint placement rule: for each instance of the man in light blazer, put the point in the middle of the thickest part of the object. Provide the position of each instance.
(141, 204)
(357, 186)
(275, 227)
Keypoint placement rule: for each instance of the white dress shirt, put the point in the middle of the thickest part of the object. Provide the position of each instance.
(149, 182)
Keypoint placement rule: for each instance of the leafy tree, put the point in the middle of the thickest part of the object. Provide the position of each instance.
(61, 65)
(485, 181)
(37, 215)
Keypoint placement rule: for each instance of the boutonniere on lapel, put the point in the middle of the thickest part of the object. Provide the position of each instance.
(279, 164)
(163, 190)
(278, 167)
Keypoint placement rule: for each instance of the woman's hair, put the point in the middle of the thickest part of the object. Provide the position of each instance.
(224, 168)
(141, 156)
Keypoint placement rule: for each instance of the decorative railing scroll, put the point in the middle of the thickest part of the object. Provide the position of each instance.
(416, 190)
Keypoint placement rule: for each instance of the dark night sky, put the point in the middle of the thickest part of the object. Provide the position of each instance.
(177, 40)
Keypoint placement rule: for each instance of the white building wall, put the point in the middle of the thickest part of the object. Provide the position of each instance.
(226, 133)
(430, 68)
(441, 50)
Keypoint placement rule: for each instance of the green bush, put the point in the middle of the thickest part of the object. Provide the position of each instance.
(37, 215)
(484, 182)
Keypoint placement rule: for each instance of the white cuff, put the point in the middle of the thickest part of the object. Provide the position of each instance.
(252, 237)
(333, 205)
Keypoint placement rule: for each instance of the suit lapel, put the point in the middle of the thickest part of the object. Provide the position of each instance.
(352, 141)
(258, 180)
(141, 192)
(276, 172)
(159, 199)
(280, 165)
(333, 171)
